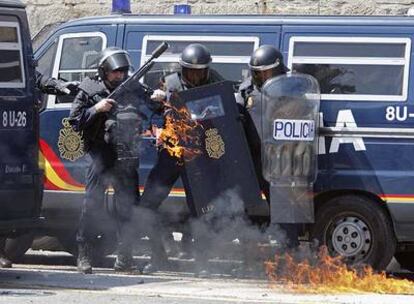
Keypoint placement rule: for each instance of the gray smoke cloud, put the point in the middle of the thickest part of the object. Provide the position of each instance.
(227, 232)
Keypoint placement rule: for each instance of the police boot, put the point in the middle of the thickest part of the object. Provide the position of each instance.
(4, 261)
(84, 258)
(201, 264)
(186, 250)
(124, 261)
(292, 235)
(159, 258)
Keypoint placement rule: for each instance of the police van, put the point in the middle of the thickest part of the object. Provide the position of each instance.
(364, 194)
(21, 180)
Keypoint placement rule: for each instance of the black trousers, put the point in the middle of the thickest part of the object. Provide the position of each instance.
(161, 179)
(103, 172)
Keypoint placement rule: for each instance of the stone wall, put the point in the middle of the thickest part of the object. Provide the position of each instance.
(43, 12)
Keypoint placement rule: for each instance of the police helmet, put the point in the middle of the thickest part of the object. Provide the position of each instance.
(267, 57)
(112, 59)
(195, 60)
(266, 62)
(195, 56)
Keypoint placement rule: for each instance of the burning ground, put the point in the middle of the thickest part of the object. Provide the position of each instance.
(321, 273)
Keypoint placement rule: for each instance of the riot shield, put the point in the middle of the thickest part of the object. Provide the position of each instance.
(223, 168)
(289, 145)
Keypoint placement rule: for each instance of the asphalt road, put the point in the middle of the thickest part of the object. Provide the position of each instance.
(52, 278)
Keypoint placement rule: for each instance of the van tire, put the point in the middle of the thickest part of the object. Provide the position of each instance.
(15, 248)
(356, 227)
(406, 260)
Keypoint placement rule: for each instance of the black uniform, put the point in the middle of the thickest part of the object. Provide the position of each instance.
(104, 170)
(165, 174)
(168, 168)
(251, 109)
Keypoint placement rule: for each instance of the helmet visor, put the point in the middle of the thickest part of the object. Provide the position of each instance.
(195, 77)
(117, 61)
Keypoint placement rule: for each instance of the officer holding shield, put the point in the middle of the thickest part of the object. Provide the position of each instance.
(195, 71)
(266, 62)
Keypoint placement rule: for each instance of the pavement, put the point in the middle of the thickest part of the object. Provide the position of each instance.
(37, 283)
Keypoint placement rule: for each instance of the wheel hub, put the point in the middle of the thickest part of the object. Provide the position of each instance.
(351, 237)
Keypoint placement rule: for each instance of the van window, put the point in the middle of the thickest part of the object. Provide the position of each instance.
(11, 57)
(230, 55)
(218, 48)
(44, 66)
(354, 68)
(77, 57)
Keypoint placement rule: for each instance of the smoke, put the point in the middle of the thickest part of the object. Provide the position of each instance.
(228, 233)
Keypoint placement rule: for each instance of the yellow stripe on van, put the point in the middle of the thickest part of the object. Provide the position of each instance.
(54, 178)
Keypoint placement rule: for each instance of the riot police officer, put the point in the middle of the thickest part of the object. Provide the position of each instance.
(266, 62)
(46, 85)
(195, 71)
(89, 113)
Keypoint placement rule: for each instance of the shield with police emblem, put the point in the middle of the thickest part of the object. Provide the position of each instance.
(289, 145)
(218, 168)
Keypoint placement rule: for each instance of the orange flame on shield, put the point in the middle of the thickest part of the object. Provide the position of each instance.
(181, 134)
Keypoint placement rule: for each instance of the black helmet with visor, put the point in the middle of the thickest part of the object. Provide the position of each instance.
(114, 59)
(266, 62)
(195, 61)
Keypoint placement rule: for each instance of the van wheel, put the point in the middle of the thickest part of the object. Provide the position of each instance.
(406, 260)
(15, 248)
(356, 228)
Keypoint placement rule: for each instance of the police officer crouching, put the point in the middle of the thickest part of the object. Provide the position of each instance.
(195, 71)
(266, 62)
(89, 115)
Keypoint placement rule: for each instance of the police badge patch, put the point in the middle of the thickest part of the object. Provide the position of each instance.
(214, 144)
(70, 142)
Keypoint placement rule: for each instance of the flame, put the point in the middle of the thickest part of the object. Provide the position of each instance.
(331, 275)
(181, 134)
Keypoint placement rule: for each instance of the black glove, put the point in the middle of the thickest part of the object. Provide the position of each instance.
(59, 87)
(66, 88)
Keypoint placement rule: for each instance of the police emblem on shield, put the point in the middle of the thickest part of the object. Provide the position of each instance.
(70, 142)
(214, 144)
